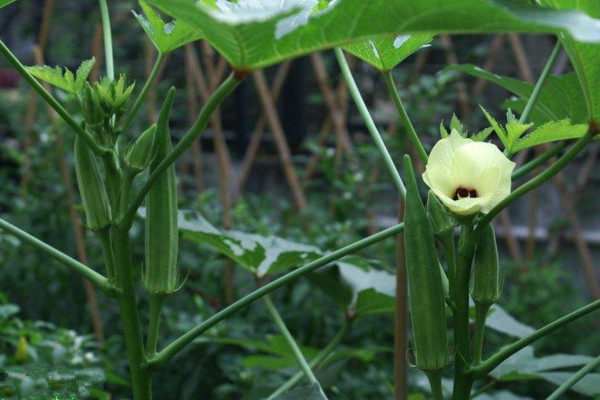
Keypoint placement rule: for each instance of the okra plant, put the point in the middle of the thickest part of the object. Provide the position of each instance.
(470, 178)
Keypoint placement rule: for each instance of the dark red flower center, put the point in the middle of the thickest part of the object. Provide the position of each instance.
(462, 193)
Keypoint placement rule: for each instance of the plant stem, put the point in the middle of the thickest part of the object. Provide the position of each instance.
(107, 252)
(99, 281)
(536, 181)
(168, 352)
(222, 92)
(540, 83)
(156, 304)
(315, 362)
(435, 381)
(447, 241)
(488, 366)
(364, 112)
(579, 375)
(289, 339)
(389, 80)
(539, 160)
(140, 378)
(462, 335)
(108, 46)
(481, 311)
(140, 99)
(64, 114)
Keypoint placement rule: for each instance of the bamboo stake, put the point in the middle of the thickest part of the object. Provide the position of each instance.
(74, 219)
(521, 58)
(192, 102)
(279, 136)
(488, 64)
(97, 52)
(250, 155)
(452, 59)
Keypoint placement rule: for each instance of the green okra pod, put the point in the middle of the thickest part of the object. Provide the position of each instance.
(162, 236)
(486, 276)
(138, 156)
(425, 282)
(91, 187)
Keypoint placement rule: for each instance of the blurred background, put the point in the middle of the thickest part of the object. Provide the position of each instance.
(308, 172)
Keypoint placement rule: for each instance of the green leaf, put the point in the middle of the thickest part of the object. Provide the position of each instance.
(386, 53)
(525, 366)
(4, 3)
(311, 392)
(64, 80)
(165, 36)
(551, 132)
(501, 321)
(255, 34)
(497, 128)
(259, 254)
(561, 96)
(585, 57)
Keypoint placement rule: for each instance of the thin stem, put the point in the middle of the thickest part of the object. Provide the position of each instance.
(289, 339)
(447, 241)
(488, 366)
(107, 252)
(156, 304)
(539, 160)
(223, 91)
(108, 46)
(140, 99)
(315, 362)
(364, 112)
(579, 375)
(168, 352)
(481, 311)
(435, 381)
(99, 281)
(52, 102)
(540, 83)
(389, 81)
(536, 181)
(462, 334)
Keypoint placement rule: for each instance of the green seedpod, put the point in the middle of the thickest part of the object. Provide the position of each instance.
(91, 187)
(486, 276)
(93, 113)
(425, 282)
(445, 282)
(138, 156)
(162, 236)
(442, 221)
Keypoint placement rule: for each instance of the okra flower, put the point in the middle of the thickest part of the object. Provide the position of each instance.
(468, 176)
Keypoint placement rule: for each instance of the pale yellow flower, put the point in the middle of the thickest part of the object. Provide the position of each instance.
(467, 176)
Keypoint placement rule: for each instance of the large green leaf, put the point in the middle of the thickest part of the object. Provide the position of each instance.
(561, 96)
(387, 52)
(4, 3)
(165, 36)
(64, 79)
(501, 321)
(584, 56)
(254, 34)
(555, 368)
(261, 255)
(551, 132)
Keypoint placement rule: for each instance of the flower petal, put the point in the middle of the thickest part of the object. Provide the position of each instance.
(437, 173)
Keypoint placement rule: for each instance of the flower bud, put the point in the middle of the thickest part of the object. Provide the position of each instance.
(93, 113)
(139, 154)
(442, 221)
(486, 276)
(21, 355)
(425, 282)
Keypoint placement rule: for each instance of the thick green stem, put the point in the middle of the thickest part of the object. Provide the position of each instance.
(366, 116)
(315, 362)
(140, 378)
(168, 352)
(289, 339)
(99, 281)
(539, 160)
(488, 366)
(389, 81)
(156, 304)
(226, 88)
(481, 311)
(108, 46)
(140, 99)
(435, 381)
(462, 335)
(540, 83)
(579, 375)
(99, 150)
